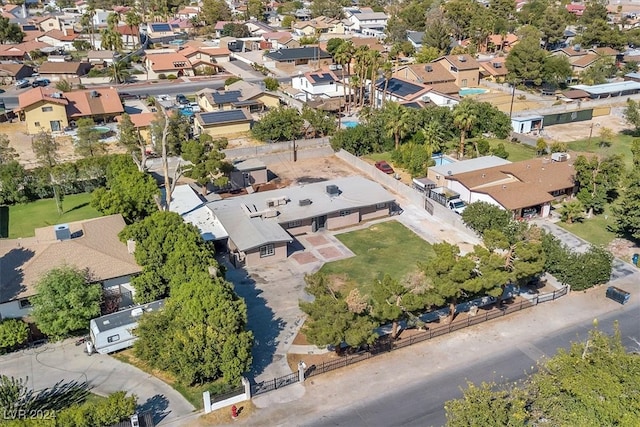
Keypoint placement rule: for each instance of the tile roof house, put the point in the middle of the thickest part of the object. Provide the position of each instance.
(222, 123)
(464, 68)
(518, 187)
(364, 18)
(161, 32)
(251, 92)
(142, 123)
(47, 23)
(432, 74)
(130, 36)
(206, 56)
(168, 64)
(102, 57)
(261, 225)
(494, 68)
(21, 51)
(579, 65)
(318, 25)
(59, 38)
(45, 108)
(56, 71)
(91, 244)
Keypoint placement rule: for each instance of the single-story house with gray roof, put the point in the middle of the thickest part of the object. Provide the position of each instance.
(261, 225)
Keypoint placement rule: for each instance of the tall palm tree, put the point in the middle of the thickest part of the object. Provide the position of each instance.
(87, 23)
(362, 63)
(433, 136)
(387, 73)
(398, 121)
(132, 19)
(374, 65)
(341, 57)
(464, 119)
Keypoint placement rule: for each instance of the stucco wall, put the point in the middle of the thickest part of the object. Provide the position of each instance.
(216, 131)
(334, 220)
(371, 212)
(253, 256)
(304, 227)
(37, 120)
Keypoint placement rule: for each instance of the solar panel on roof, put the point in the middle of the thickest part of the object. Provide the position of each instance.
(161, 27)
(401, 88)
(226, 97)
(222, 116)
(29, 28)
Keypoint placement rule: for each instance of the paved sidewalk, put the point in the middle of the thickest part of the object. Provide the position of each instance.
(50, 363)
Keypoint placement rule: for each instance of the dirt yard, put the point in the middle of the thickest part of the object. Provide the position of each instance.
(306, 171)
(573, 131)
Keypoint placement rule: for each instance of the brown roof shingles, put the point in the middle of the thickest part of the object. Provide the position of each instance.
(98, 249)
(79, 103)
(462, 62)
(521, 184)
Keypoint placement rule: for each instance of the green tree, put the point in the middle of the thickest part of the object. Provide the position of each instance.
(234, 29)
(449, 274)
(332, 44)
(115, 408)
(525, 61)
(214, 11)
(632, 114)
(427, 54)
(464, 119)
(88, 142)
(170, 253)
(487, 405)
(64, 86)
(13, 332)
(10, 32)
(599, 72)
(207, 161)
(460, 14)
(110, 37)
(398, 123)
(556, 69)
(271, 83)
(7, 152)
(483, 216)
(541, 147)
(437, 33)
(627, 210)
(328, 8)
(132, 141)
(279, 124)
(288, 21)
(132, 20)
(203, 333)
(45, 148)
(597, 181)
(65, 301)
(128, 192)
(12, 183)
(552, 24)
(414, 157)
(318, 123)
(331, 322)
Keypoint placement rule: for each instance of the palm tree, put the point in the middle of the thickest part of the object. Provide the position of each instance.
(374, 64)
(398, 121)
(87, 23)
(341, 57)
(362, 61)
(120, 72)
(387, 73)
(464, 119)
(132, 19)
(433, 136)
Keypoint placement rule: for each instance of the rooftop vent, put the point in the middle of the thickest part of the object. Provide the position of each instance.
(428, 68)
(63, 232)
(577, 47)
(462, 58)
(497, 65)
(559, 157)
(56, 95)
(304, 202)
(94, 94)
(333, 190)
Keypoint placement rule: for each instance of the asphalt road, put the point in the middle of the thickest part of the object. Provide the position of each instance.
(423, 404)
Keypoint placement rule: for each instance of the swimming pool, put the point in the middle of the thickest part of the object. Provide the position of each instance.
(472, 91)
(350, 124)
(441, 159)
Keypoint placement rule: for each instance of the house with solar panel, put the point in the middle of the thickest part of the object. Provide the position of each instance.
(241, 95)
(161, 32)
(223, 123)
(403, 91)
(288, 59)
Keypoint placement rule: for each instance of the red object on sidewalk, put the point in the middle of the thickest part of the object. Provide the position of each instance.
(234, 411)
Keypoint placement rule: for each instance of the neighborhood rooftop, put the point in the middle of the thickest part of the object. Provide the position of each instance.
(190, 206)
(469, 165)
(126, 317)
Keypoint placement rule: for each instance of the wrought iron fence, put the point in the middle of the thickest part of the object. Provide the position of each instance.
(385, 345)
(276, 383)
(228, 394)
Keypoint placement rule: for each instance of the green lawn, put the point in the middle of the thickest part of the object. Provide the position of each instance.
(620, 145)
(384, 248)
(594, 229)
(517, 152)
(25, 218)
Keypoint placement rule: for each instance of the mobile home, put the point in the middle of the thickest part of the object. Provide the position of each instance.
(114, 331)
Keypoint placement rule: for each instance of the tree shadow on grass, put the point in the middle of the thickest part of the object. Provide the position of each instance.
(157, 406)
(75, 208)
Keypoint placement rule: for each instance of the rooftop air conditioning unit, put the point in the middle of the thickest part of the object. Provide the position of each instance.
(559, 157)
(462, 58)
(428, 68)
(56, 95)
(63, 232)
(333, 190)
(94, 94)
(304, 202)
(497, 65)
(270, 213)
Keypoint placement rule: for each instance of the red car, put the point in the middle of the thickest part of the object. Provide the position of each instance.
(384, 167)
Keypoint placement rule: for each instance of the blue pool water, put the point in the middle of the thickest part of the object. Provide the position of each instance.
(472, 91)
(441, 160)
(350, 124)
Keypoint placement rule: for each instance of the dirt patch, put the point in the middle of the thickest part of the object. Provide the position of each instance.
(223, 415)
(581, 130)
(623, 249)
(311, 170)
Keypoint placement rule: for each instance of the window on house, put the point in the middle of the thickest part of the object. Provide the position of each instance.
(113, 338)
(36, 124)
(381, 205)
(345, 212)
(267, 250)
(464, 83)
(296, 223)
(25, 303)
(454, 69)
(47, 109)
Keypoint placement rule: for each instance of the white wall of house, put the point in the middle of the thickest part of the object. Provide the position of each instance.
(481, 197)
(441, 100)
(325, 90)
(12, 310)
(465, 193)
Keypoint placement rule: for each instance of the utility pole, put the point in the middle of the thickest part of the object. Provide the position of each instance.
(513, 94)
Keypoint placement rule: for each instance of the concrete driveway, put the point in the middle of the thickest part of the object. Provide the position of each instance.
(46, 365)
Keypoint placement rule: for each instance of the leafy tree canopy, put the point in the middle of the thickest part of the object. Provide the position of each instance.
(279, 124)
(65, 302)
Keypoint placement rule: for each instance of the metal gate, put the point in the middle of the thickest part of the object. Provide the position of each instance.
(274, 384)
(428, 206)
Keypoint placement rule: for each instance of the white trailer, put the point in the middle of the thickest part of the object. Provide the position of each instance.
(114, 331)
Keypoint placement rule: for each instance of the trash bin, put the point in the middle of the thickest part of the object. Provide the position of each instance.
(634, 259)
(618, 295)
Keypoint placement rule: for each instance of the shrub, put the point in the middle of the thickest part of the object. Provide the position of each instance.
(171, 77)
(13, 332)
(162, 76)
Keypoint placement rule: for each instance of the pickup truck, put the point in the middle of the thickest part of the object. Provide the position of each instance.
(457, 205)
